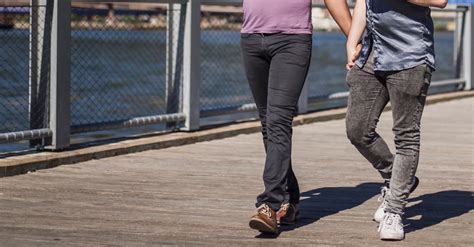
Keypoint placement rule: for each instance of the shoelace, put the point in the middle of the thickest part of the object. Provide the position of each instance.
(264, 209)
(383, 193)
(389, 221)
(285, 207)
(397, 218)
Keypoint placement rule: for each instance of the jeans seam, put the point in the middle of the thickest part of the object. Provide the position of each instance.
(417, 124)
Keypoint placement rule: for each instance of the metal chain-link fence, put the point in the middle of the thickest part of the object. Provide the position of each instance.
(223, 79)
(24, 61)
(118, 65)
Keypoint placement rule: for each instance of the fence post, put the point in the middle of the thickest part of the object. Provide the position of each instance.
(174, 53)
(303, 101)
(457, 51)
(60, 74)
(40, 31)
(192, 65)
(468, 52)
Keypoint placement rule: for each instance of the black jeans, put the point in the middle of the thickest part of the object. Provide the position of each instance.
(369, 94)
(276, 66)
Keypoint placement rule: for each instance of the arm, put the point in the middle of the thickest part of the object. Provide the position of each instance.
(339, 10)
(356, 31)
(430, 3)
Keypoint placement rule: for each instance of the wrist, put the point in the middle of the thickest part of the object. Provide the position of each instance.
(350, 47)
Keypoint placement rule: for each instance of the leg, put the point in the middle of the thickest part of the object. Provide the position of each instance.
(293, 189)
(367, 99)
(288, 70)
(257, 67)
(407, 91)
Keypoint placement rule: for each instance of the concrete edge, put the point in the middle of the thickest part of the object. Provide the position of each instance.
(17, 165)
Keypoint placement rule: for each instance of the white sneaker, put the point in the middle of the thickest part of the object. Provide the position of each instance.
(391, 228)
(380, 213)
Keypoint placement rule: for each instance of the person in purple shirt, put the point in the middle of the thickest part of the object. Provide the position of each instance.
(276, 42)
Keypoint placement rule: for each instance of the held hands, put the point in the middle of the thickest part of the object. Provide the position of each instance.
(352, 54)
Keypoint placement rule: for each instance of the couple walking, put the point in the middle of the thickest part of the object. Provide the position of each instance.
(390, 58)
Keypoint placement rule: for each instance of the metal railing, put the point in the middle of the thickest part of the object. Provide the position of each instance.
(74, 79)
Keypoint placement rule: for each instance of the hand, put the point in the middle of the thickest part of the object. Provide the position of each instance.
(353, 55)
(357, 52)
(349, 66)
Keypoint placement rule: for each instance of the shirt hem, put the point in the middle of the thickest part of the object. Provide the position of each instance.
(405, 66)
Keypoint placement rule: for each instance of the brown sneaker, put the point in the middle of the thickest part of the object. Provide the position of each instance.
(264, 220)
(288, 214)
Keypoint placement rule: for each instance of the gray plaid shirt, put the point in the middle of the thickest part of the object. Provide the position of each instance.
(400, 34)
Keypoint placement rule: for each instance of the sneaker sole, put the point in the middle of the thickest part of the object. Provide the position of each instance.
(391, 238)
(261, 226)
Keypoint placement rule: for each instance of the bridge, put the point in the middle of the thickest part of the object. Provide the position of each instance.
(117, 134)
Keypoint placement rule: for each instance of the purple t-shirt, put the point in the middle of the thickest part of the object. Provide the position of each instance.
(277, 16)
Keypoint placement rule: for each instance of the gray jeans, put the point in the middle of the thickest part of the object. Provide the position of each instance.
(369, 94)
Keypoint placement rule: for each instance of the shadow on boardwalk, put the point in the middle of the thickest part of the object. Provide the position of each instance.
(432, 209)
(429, 209)
(319, 203)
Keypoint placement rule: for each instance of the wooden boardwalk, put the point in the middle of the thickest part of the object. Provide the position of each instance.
(203, 194)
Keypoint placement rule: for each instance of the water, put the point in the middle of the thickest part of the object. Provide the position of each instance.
(120, 74)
